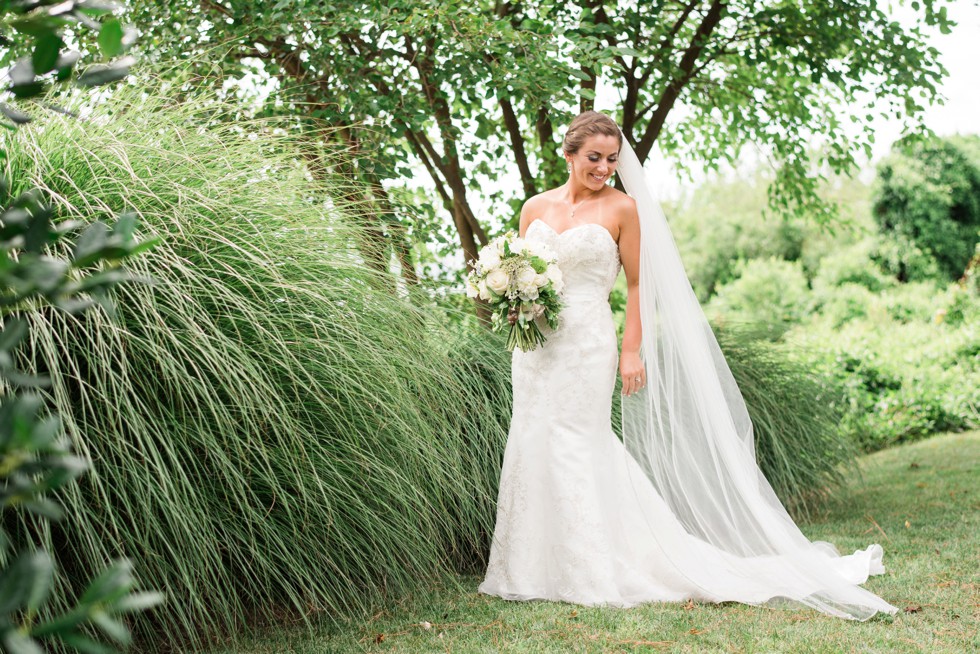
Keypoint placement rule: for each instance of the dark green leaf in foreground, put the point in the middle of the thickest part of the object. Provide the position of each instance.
(100, 74)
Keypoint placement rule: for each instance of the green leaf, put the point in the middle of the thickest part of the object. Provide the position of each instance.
(43, 570)
(101, 74)
(13, 332)
(15, 642)
(630, 52)
(42, 506)
(22, 72)
(86, 645)
(17, 117)
(138, 602)
(125, 226)
(26, 582)
(111, 627)
(97, 7)
(90, 244)
(110, 585)
(110, 38)
(46, 52)
(30, 90)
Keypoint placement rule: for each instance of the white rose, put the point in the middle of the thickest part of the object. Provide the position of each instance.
(518, 245)
(472, 290)
(489, 258)
(540, 280)
(526, 276)
(484, 292)
(497, 281)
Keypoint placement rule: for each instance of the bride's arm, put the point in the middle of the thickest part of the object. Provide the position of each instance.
(630, 365)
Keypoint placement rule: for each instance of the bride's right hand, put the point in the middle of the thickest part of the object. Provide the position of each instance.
(631, 372)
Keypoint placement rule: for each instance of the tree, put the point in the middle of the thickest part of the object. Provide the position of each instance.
(927, 196)
(470, 91)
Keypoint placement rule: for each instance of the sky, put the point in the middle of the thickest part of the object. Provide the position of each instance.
(960, 54)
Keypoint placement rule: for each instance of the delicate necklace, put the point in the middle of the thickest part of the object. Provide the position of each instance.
(577, 205)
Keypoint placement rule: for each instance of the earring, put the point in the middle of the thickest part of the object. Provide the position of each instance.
(568, 167)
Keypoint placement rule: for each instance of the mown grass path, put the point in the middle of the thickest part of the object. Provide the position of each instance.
(920, 501)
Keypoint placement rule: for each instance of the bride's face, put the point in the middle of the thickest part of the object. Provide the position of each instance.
(595, 161)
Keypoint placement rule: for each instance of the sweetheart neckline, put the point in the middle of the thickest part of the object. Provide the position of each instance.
(572, 229)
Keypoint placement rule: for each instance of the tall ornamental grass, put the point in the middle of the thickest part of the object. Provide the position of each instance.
(273, 427)
(795, 414)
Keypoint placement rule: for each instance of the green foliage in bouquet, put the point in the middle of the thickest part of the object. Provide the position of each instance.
(279, 431)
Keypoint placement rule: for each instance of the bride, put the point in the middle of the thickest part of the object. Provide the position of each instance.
(678, 509)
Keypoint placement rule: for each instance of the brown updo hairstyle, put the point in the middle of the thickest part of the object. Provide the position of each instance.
(589, 124)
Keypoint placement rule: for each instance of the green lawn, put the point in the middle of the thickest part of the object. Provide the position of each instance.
(920, 501)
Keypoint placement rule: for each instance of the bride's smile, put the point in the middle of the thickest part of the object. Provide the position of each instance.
(591, 167)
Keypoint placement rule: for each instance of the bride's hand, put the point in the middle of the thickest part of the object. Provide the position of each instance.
(632, 373)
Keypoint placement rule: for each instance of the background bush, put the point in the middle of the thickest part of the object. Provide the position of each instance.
(928, 195)
(769, 294)
(882, 320)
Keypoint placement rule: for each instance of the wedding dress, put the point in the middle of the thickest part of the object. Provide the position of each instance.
(580, 520)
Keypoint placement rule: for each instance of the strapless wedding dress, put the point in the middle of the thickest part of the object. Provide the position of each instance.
(574, 507)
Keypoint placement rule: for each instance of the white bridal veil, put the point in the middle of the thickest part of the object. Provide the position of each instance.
(690, 432)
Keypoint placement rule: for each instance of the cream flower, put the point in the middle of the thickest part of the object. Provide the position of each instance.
(483, 290)
(497, 281)
(489, 259)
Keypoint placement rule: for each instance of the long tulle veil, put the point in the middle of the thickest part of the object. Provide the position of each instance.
(690, 432)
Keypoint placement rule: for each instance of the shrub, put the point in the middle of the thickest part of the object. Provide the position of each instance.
(275, 429)
(901, 258)
(902, 380)
(769, 295)
(928, 194)
(851, 265)
(844, 303)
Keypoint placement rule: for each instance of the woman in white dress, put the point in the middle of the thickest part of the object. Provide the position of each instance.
(678, 509)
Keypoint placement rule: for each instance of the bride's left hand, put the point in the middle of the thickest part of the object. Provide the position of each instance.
(632, 372)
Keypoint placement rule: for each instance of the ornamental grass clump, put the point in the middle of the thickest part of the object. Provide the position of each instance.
(274, 428)
(796, 414)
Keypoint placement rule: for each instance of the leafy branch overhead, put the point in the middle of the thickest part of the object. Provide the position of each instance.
(470, 94)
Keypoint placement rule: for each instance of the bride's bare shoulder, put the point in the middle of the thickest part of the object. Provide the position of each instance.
(537, 206)
(620, 201)
(622, 206)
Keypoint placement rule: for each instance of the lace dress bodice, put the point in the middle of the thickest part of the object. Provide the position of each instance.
(587, 256)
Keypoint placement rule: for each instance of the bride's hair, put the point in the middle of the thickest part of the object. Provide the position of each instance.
(589, 124)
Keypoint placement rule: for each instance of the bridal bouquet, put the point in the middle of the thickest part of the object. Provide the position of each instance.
(521, 281)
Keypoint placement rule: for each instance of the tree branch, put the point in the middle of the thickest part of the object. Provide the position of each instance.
(686, 69)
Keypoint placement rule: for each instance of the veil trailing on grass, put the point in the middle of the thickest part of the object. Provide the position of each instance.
(690, 433)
